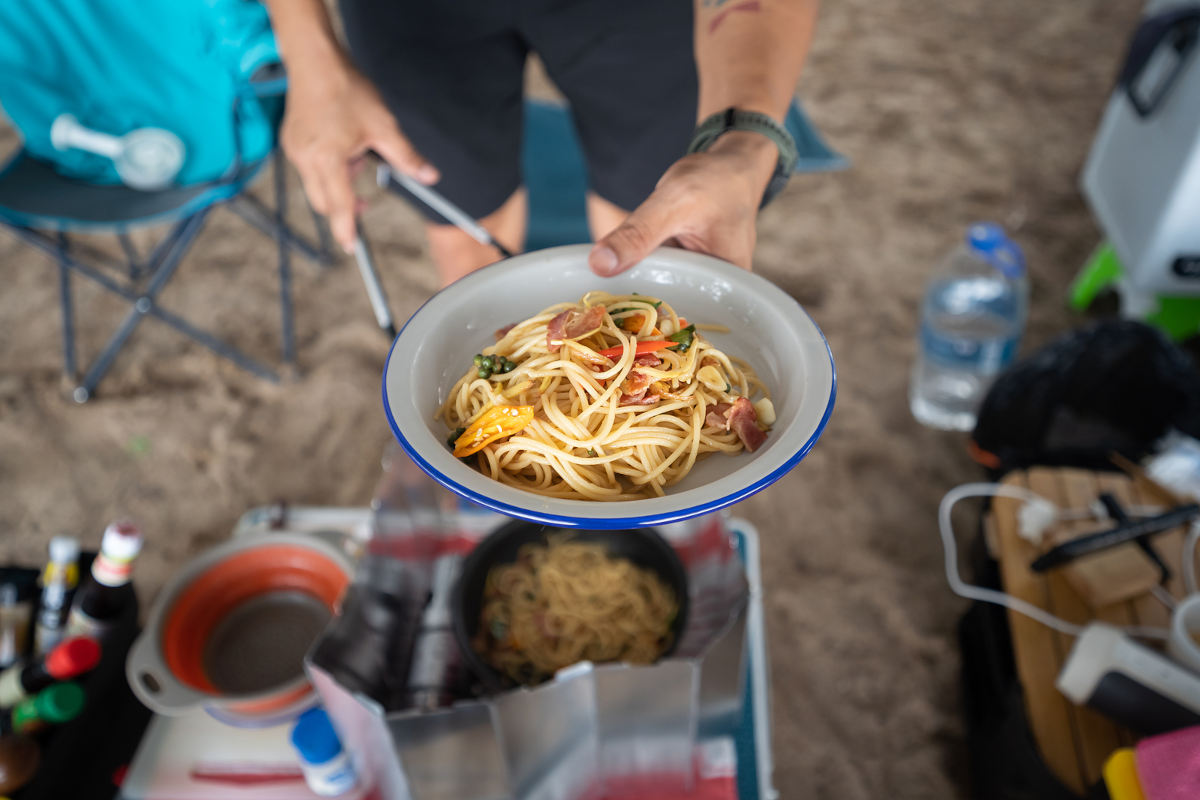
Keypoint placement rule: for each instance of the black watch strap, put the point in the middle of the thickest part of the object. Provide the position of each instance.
(733, 119)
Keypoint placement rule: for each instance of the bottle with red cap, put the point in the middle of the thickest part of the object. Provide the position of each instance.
(105, 594)
(69, 659)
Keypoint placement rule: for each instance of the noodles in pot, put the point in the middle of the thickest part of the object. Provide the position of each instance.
(567, 601)
(615, 397)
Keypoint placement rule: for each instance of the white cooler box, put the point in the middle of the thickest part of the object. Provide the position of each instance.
(1142, 177)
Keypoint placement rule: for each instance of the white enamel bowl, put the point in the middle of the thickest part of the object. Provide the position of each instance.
(767, 328)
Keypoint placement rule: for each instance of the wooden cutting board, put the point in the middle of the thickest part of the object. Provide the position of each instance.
(1075, 741)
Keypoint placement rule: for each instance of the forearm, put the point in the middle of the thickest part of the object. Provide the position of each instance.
(749, 53)
(305, 34)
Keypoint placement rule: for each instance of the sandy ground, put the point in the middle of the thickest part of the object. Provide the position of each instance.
(951, 112)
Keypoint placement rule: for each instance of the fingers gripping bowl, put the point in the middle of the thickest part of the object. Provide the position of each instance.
(768, 329)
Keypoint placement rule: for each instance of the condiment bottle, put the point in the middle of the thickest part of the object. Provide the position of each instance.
(53, 705)
(15, 614)
(105, 594)
(19, 758)
(69, 659)
(436, 675)
(59, 580)
(327, 767)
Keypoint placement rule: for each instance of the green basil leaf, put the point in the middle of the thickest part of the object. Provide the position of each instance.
(684, 337)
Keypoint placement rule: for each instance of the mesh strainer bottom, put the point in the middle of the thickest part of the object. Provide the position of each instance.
(261, 643)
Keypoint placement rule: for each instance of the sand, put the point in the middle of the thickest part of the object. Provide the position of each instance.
(951, 112)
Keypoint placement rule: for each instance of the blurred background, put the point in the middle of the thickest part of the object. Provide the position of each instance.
(948, 112)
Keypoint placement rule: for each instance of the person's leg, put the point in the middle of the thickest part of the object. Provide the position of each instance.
(457, 254)
(628, 69)
(452, 74)
(603, 216)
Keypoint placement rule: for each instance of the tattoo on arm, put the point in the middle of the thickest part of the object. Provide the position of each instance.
(749, 6)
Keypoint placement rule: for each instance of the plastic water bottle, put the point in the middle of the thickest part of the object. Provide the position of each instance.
(971, 323)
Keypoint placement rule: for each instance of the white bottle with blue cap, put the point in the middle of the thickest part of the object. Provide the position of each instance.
(327, 768)
(972, 318)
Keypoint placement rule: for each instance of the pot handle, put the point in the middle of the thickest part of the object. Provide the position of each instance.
(153, 683)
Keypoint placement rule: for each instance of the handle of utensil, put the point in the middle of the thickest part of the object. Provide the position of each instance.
(370, 278)
(153, 683)
(439, 203)
(66, 133)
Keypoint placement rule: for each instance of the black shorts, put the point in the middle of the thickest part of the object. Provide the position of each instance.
(452, 72)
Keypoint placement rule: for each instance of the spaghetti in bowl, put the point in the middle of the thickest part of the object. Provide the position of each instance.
(531, 601)
(616, 397)
(433, 359)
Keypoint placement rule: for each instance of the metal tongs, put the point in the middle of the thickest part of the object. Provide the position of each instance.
(1126, 530)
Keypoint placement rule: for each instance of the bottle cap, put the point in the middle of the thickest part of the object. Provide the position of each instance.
(990, 242)
(122, 541)
(64, 550)
(314, 737)
(61, 702)
(73, 657)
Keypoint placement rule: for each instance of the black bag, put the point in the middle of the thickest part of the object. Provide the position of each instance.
(1004, 760)
(1116, 386)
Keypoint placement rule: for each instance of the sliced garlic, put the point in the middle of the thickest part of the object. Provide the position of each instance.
(765, 410)
(513, 391)
(712, 378)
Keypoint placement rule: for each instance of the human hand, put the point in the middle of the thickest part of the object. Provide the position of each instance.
(706, 202)
(334, 116)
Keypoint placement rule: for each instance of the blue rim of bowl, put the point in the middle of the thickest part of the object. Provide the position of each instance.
(610, 523)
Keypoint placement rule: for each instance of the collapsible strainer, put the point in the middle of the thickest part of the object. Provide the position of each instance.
(230, 631)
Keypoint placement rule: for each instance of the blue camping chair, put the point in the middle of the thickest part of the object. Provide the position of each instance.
(44, 198)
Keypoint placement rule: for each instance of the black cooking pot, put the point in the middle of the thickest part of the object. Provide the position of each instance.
(642, 546)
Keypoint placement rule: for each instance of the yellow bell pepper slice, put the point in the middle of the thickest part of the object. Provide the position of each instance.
(494, 424)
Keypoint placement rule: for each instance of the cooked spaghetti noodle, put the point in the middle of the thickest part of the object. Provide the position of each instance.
(612, 398)
(567, 601)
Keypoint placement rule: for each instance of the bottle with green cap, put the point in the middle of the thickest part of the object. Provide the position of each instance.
(54, 705)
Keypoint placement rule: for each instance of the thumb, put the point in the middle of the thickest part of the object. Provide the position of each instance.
(650, 224)
(394, 148)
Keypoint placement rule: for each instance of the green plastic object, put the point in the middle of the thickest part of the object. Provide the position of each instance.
(1101, 271)
(1177, 317)
(56, 704)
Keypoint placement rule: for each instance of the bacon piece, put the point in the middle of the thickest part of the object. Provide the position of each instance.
(647, 400)
(573, 324)
(502, 332)
(555, 328)
(633, 390)
(639, 389)
(718, 416)
(647, 360)
(743, 419)
(585, 323)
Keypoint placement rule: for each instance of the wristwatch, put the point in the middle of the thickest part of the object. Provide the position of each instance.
(733, 119)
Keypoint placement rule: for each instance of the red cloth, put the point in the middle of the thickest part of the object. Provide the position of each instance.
(1169, 765)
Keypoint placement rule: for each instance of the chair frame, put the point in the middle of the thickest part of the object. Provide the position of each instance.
(146, 278)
